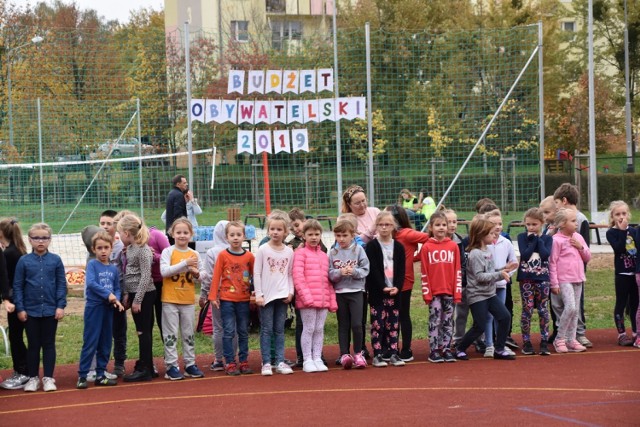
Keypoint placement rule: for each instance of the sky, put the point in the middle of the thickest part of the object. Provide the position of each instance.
(116, 9)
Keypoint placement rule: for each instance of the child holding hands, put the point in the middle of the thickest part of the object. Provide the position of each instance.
(179, 266)
(569, 253)
(102, 296)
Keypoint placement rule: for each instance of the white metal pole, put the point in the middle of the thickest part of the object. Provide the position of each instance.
(188, 89)
(627, 97)
(140, 158)
(336, 91)
(40, 157)
(543, 192)
(593, 181)
(367, 33)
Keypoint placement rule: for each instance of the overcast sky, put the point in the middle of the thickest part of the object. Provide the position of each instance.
(116, 9)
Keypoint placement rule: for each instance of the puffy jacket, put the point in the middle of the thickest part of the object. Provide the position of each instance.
(311, 279)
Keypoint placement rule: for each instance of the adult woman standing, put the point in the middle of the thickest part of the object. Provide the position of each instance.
(354, 200)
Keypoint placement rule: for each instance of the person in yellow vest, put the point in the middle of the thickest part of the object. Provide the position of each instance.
(418, 208)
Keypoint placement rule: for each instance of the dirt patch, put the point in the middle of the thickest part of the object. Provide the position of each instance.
(601, 262)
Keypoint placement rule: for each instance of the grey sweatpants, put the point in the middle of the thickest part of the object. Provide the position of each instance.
(182, 317)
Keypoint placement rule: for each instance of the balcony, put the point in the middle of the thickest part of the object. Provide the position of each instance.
(299, 7)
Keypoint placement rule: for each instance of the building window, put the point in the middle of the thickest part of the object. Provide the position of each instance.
(284, 31)
(276, 6)
(240, 31)
(569, 26)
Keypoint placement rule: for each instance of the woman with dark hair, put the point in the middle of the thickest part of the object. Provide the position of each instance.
(354, 200)
(409, 239)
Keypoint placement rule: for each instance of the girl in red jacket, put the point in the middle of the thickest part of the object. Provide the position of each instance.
(314, 294)
(441, 286)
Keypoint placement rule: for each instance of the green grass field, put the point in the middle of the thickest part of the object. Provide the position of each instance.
(599, 303)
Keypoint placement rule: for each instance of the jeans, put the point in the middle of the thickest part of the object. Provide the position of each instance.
(491, 325)
(272, 317)
(41, 334)
(480, 310)
(235, 319)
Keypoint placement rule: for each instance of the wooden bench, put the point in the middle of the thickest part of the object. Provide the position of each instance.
(260, 217)
(514, 224)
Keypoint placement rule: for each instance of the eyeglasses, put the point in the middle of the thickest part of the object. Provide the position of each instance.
(40, 238)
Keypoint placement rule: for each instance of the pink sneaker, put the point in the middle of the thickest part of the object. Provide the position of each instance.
(560, 346)
(637, 342)
(360, 361)
(575, 346)
(346, 361)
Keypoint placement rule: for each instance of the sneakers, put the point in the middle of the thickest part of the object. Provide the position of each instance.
(232, 369)
(406, 355)
(511, 343)
(575, 347)
(14, 382)
(624, 340)
(309, 366)
(137, 376)
(173, 374)
(527, 349)
(480, 346)
(217, 366)
(104, 381)
(291, 363)
(636, 344)
(32, 385)
(49, 384)
(118, 370)
(544, 349)
(299, 362)
(378, 362)
(508, 350)
(266, 370)
(448, 356)
(435, 357)
(461, 355)
(359, 361)
(193, 371)
(91, 376)
(346, 361)
(583, 340)
(560, 345)
(489, 351)
(82, 383)
(245, 369)
(503, 355)
(284, 368)
(320, 366)
(395, 360)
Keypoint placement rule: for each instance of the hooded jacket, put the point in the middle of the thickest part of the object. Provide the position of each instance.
(440, 268)
(311, 279)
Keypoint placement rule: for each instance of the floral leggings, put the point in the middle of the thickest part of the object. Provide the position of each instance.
(534, 295)
(440, 322)
(384, 326)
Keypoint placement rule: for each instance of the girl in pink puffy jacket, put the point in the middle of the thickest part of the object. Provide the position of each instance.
(314, 294)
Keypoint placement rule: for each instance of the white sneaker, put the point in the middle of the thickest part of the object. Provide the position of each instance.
(284, 369)
(91, 376)
(110, 376)
(266, 370)
(508, 350)
(320, 366)
(49, 384)
(489, 351)
(15, 382)
(33, 384)
(309, 366)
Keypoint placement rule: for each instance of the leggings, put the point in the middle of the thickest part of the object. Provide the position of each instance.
(384, 326)
(16, 339)
(312, 337)
(568, 322)
(440, 322)
(534, 295)
(41, 334)
(349, 321)
(406, 327)
(626, 295)
(157, 307)
(144, 325)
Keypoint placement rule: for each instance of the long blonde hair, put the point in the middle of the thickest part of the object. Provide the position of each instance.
(135, 227)
(615, 205)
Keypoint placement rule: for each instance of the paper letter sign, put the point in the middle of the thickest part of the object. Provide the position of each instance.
(236, 81)
(279, 112)
(213, 111)
(197, 110)
(256, 81)
(245, 141)
(294, 112)
(263, 141)
(307, 81)
(281, 141)
(274, 81)
(311, 111)
(291, 80)
(327, 109)
(300, 138)
(245, 111)
(229, 111)
(325, 79)
(261, 112)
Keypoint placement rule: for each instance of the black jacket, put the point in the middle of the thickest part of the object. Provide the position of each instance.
(375, 282)
(176, 206)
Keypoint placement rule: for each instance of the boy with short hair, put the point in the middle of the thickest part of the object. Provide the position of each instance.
(568, 196)
(102, 292)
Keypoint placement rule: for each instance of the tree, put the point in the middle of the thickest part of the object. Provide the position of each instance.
(359, 137)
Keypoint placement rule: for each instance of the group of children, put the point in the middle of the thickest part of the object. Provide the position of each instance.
(458, 276)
